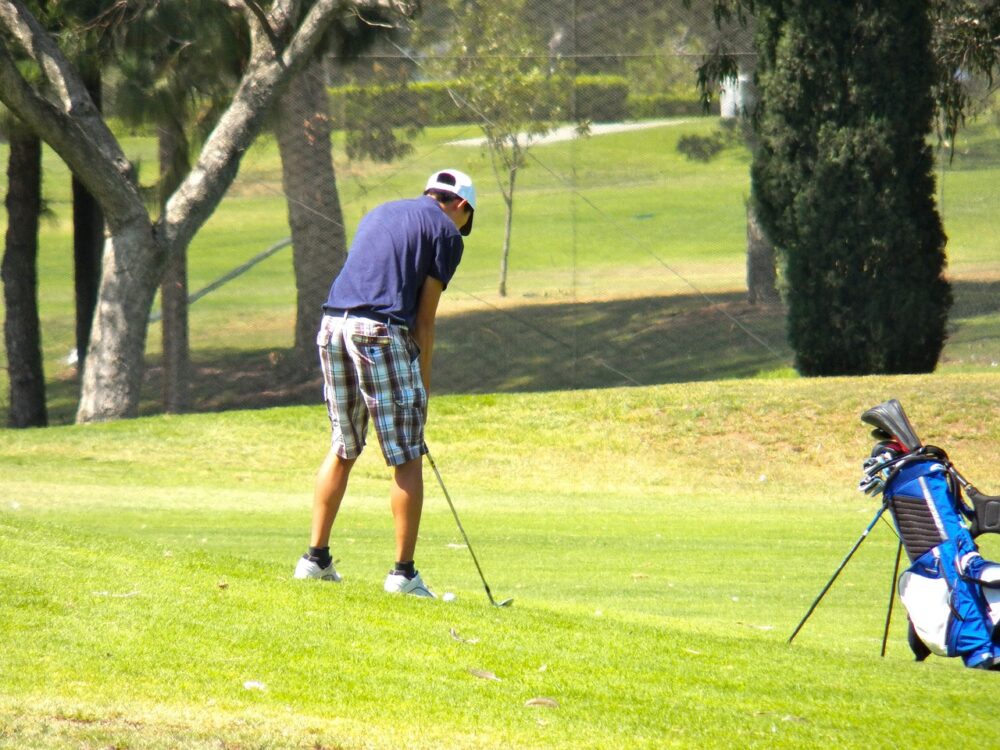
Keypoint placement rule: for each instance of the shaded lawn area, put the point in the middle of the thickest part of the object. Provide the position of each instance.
(548, 347)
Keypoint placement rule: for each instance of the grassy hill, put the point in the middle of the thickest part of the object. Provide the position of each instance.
(660, 543)
(629, 452)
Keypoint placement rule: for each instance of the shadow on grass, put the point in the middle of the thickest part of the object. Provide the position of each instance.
(539, 347)
(644, 341)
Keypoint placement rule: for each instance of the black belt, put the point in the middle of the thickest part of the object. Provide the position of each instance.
(366, 314)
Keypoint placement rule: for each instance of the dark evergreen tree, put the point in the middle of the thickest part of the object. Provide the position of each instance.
(844, 182)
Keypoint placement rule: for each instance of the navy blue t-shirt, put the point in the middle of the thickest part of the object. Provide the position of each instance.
(396, 247)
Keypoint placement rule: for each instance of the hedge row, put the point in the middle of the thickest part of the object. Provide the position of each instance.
(597, 98)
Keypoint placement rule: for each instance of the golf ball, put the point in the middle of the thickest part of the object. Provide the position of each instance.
(448, 597)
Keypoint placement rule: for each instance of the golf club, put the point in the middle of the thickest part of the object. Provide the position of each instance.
(505, 602)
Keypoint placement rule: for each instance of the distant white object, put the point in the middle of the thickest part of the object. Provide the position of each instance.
(736, 96)
(73, 357)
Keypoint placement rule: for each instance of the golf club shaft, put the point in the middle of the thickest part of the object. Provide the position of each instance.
(465, 536)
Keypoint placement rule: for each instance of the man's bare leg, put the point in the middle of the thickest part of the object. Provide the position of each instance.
(331, 485)
(407, 501)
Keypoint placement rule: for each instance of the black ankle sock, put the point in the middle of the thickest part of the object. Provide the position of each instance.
(320, 556)
(405, 569)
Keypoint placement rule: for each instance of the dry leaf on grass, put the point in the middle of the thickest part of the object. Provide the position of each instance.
(460, 639)
(484, 674)
(543, 702)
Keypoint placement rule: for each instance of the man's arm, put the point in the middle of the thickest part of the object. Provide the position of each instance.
(423, 326)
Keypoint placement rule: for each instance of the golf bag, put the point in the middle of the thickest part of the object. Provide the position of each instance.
(951, 594)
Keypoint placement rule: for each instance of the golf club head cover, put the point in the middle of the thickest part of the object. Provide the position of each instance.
(890, 418)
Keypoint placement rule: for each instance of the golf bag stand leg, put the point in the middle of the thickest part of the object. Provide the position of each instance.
(836, 573)
(892, 596)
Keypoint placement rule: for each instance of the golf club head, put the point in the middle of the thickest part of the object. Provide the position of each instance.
(889, 418)
(504, 603)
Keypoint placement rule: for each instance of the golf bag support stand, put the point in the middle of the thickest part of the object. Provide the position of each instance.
(864, 535)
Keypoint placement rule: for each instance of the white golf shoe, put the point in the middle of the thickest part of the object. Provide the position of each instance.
(396, 583)
(306, 568)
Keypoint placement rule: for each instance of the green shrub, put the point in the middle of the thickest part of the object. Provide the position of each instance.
(601, 98)
(844, 183)
(649, 106)
(701, 148)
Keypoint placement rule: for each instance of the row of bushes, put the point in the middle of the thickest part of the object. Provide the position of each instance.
(599, 98)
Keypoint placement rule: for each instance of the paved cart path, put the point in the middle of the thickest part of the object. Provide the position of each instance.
(568, 132)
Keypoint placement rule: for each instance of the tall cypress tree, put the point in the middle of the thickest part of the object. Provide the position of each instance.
(844, 182)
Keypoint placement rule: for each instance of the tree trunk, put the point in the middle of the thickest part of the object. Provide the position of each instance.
(507, 228)
(318, 237)
(761, 275)
(88, 240)
(22, 329)
(174, 164)
(132, 266)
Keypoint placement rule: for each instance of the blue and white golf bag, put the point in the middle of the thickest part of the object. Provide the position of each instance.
(951, 594)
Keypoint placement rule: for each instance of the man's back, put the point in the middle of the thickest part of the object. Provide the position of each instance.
(397, 245)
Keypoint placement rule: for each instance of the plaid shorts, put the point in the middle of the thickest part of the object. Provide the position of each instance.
(371, 369)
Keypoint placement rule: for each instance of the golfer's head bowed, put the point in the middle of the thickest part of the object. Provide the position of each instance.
(456, 194)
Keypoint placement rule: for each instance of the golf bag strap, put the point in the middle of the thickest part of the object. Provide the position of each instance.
(985, 584)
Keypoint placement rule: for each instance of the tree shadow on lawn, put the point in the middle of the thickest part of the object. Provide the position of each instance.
(536, 347)
(540, 347)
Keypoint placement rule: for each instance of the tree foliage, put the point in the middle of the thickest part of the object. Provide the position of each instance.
(844, 183)
(965, 46)
(496, 54)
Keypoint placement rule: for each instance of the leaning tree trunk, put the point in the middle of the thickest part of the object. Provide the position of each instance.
(22, 329)
(174, 164)
(318, 237)
(132, 266)
(762, 283)
(282, 41)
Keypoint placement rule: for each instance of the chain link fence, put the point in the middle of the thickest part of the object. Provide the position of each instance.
(616, 256)
(628, 239)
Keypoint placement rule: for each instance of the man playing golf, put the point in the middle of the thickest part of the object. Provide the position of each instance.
(375, 345)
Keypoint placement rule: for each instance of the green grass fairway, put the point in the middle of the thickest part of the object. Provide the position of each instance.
(660, 543)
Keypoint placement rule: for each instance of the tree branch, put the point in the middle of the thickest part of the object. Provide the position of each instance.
(269, 32)
(83, 141)
(196, 198)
